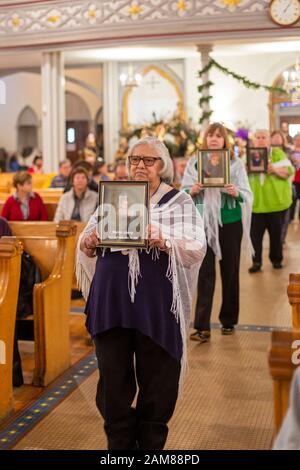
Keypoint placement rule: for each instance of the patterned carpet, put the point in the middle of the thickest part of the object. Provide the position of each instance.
(225, 404)
(227, 400)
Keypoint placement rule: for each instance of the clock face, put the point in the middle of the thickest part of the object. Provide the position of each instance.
(285, 12)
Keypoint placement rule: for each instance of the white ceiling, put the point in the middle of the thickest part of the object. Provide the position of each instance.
(97, 55)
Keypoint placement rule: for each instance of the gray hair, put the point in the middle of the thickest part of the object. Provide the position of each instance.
(167, 171)
(262, 131)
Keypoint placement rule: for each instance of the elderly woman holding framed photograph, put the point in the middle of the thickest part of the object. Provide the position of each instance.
(227, 215)
(138, 306)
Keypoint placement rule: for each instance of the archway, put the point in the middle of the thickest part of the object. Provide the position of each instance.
(163, 101)
(284, 107)
(27, 129)
(78, 123)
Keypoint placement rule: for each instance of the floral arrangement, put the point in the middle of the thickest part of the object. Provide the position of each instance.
(179, 135)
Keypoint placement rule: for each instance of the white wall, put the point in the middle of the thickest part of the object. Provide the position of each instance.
(233, 102)
(22, 89)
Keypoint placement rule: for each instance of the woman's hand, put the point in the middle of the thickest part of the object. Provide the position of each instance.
(282, 172)
(89, 243)
(231, 189)
(155, 237)
(195, 189)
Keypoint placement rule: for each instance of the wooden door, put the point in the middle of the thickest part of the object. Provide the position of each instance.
(76, 134)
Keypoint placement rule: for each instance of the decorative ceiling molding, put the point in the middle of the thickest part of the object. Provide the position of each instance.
(45, 23)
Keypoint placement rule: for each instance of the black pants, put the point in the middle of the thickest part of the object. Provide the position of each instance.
(157, 375)
(230, 237)
(272, 222)
(296, 196)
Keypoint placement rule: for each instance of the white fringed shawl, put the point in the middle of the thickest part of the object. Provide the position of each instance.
(179, 221)
(212, 201)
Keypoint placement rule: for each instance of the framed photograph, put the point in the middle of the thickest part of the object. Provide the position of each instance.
(213, 168)
(257, 159)
(123, 214)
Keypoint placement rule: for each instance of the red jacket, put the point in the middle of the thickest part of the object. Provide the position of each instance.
(12, 210)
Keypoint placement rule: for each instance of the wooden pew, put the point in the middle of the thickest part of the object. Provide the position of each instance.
(10, 266)
(38, 181)
(54, 256)
(293, 292)
(46, 229)
(282, 369)
(281, 353)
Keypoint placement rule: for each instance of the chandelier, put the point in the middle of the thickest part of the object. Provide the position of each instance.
(291, 78)
(130, 79)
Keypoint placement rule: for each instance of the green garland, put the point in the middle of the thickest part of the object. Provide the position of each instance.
(244, 80)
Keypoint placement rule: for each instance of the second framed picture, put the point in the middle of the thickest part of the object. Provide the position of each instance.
(257, 159)
(123, 214)
(213, 168)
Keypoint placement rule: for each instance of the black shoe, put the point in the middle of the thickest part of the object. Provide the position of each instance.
(227, 330)
(255, 268)
(200, 336)
(277, 265)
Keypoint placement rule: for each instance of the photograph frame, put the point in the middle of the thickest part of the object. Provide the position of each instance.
(104, 187)
(215, 181)
(263, 151)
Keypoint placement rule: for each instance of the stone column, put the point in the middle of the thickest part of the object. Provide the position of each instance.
(192, 65)
(53, 110)
(204, 50)
(110, 110)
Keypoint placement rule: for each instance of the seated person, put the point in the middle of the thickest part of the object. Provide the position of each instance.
(88, 168)
(24, 204)
(80, 202)
(102, 169)
(121, 171)
(37, 166)
(61, 179)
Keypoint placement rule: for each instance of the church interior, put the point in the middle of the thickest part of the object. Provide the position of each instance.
(83, 81)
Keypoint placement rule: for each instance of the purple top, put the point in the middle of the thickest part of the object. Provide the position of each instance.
(109, 305)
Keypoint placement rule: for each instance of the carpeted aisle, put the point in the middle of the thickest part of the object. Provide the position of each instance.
(227, 401)
(225, 404)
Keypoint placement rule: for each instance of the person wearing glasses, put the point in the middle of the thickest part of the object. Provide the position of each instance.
(224, 224)
(138, 306)
(272, 197)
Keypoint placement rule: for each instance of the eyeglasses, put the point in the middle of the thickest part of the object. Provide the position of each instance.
(148, 161)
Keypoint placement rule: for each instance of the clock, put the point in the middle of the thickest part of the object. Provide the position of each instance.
(284, 12)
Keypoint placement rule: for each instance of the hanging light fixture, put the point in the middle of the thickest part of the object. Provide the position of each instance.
(130, 79)
(291, 78)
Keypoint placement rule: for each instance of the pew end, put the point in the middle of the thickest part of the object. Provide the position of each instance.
(53, 251)
(293, 291)
(281, 369)
(10, 268)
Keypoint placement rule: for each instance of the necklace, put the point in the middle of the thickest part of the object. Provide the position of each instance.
(155, 190)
